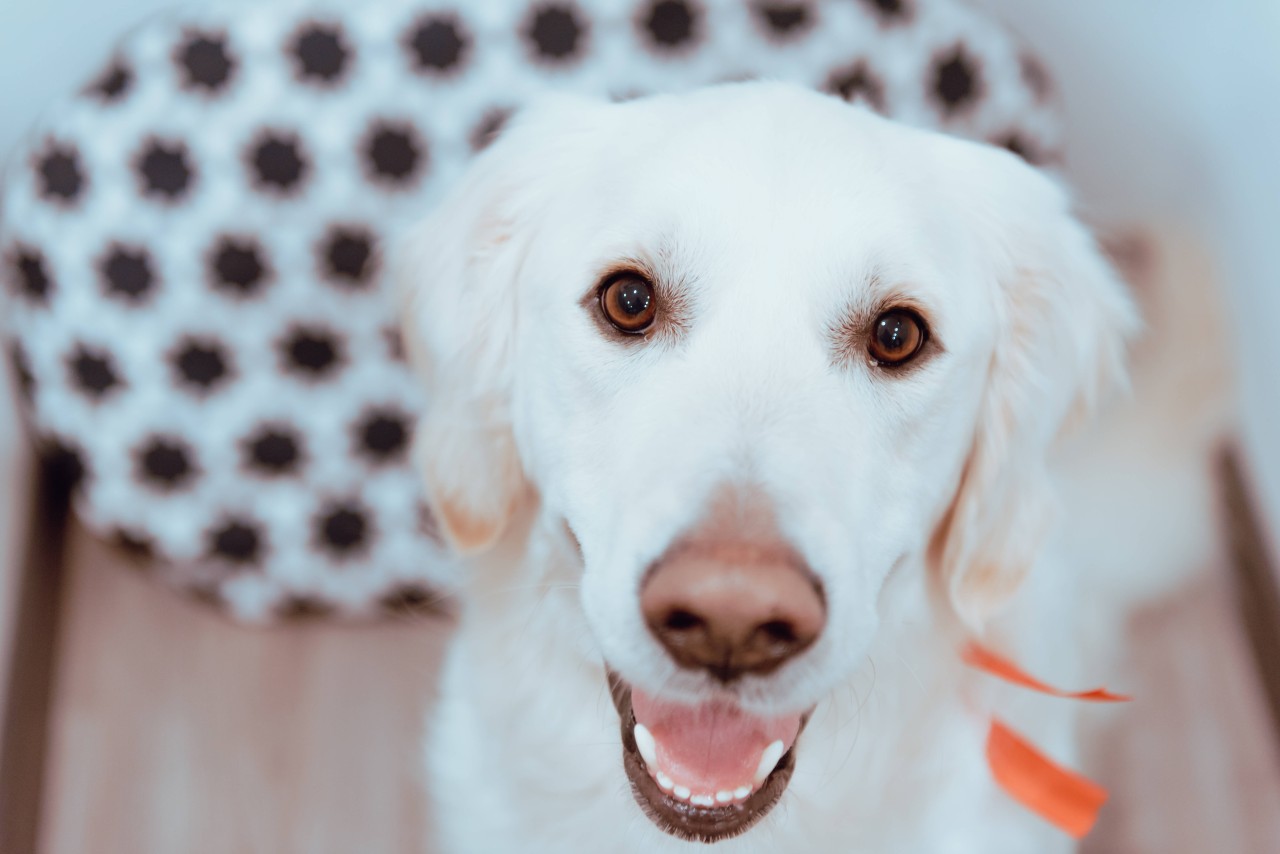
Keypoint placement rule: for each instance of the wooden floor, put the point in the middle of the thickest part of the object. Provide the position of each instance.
(1193, 764)
(176, 731)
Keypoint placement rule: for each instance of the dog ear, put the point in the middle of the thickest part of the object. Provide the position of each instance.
(1065, 319)
(456, 275)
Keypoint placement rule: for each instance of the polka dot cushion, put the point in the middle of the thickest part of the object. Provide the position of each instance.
(193, 246)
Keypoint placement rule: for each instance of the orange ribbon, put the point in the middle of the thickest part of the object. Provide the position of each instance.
(984, 659)
(1057, 794)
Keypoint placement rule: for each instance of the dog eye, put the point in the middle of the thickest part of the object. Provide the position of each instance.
(896, 337)
(628, 302)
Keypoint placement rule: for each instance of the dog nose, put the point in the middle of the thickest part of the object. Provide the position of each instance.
(732, 615)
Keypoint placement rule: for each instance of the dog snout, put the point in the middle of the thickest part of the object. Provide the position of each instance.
(732, 612)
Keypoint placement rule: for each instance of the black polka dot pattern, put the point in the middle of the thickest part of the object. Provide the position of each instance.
(273, 450)
(201, 364)
(165, 462)
(342, 530)
(890, 11)
(438, 45)
(488, 128)
(126, 273)
(164, 170)
(1035, 76)
(555, 33)
(395, 344)
(21, 366)
(412, 600)
(348, 256)
(136, 544)
(311, 352)
(278, 163)
(113, 84)
(956, 81)
(393, 153)
(204, 62)
(857, 83)
(238, 266)
(671, 25)
(304, 608)
(785, 20)
(195, 255)
(59, 174)
(428, 525)
(321, 54)
(382, 435)
(93, 372)
(237, 541)
(1020, 145)
(28, 275)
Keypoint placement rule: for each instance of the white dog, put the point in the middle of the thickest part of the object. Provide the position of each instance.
(743, 406)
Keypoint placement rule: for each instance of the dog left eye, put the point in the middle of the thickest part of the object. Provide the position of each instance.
(896, 337)
(628, 302)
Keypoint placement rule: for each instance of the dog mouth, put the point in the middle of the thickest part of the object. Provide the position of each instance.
(706, 772)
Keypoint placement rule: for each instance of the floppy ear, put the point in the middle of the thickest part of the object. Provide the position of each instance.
(1065, 318)
(456, 275)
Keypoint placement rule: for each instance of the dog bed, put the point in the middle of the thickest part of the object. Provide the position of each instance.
(193, 246)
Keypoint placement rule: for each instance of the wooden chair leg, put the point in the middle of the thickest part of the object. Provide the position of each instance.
(1257, 588)
(28, 696)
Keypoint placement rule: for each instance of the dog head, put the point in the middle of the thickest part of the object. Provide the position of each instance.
(759, 351)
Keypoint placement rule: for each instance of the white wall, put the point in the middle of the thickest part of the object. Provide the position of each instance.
(49, 47)
(1173, 115)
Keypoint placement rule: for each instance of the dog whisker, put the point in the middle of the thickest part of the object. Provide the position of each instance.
(541, 586)
(533, 612)
(911, 671)
(856, 720)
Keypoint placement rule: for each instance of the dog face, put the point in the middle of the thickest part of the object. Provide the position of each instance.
(758, 351)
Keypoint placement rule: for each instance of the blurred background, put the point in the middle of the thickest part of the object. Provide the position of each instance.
(141, 722)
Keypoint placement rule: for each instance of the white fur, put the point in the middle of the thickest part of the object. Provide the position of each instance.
(921, 500)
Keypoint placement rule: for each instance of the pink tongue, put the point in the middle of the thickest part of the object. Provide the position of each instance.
(713, 747)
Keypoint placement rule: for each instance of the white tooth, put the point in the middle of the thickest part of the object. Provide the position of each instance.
(741, 793)
(681, 792)
(702, 800)
(724, 797)
(646, 745)
(665, 782)
(769, 761)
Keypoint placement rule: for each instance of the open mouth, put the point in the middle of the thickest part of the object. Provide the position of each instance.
(706, 772)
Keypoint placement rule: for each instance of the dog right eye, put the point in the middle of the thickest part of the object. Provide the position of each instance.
(896, 337)
(629, 303)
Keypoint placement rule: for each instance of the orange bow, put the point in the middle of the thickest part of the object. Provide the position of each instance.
(1057, 794)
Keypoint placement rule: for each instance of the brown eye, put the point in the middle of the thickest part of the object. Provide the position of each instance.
(896, 337)
(628, 302)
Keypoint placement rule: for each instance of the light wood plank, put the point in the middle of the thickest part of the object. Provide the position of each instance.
(1193, 764)
(178, 731)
